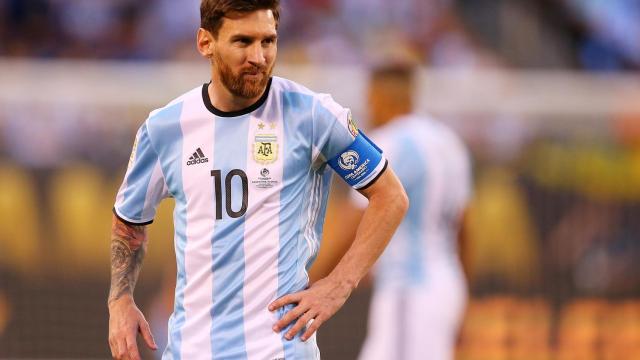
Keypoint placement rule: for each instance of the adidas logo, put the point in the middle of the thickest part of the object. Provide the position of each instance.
(197, 158)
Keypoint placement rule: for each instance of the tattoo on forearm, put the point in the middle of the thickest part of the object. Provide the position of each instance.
(128, 246)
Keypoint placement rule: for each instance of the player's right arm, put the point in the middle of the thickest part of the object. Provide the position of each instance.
(128, 247)
(135, 207)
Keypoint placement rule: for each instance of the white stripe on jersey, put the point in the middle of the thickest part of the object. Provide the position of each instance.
(125, 182)
(262, 244)
(198, 131)
(312, 216)
(316, 212)
(120, 195)
(156, 192)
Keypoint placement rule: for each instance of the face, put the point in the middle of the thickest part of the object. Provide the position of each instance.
(244, 52)
(388, 98)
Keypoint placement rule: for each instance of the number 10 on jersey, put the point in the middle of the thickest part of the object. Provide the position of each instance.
(217, 178)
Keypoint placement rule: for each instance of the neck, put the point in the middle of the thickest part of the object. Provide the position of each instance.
(224, 100)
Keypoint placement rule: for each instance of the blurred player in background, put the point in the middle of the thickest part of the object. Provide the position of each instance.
(245, 156)
(419, 291)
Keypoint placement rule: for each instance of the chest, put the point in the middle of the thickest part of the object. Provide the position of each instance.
(236, 164)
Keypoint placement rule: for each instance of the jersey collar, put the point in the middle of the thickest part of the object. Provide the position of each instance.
(218, 112)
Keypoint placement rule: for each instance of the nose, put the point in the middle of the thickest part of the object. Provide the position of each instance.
(256, 55)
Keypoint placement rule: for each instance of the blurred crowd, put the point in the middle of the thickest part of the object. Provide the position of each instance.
(586, 34)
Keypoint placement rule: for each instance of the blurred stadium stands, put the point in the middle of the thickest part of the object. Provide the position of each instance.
(545, 93)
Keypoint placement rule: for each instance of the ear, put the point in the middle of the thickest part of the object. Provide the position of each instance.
(205, 42)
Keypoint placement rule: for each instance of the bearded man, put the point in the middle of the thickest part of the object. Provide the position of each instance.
(246, 157)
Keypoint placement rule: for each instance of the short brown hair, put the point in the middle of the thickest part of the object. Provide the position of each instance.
(212, 12)
(397, 71)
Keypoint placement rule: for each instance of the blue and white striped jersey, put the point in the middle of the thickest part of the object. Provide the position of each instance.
(433, 165)
(251, 191)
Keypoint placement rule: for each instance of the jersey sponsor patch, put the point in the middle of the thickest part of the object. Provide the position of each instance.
(356, 163)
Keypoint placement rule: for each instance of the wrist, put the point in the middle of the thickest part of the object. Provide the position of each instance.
(344, 283)
(125, 299)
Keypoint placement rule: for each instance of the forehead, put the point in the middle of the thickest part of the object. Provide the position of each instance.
(255, 23)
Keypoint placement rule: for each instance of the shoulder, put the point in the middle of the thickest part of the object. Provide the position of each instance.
(284, 85)
(400, 129)
(425, 132)
(300, 95)
(430, 129)
(448, 137)
(173, 108)
(448, 143)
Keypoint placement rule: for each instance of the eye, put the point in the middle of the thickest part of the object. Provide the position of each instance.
(243, 41)
(269, 41)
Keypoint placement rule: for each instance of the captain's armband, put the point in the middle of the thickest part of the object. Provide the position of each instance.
(361, 163)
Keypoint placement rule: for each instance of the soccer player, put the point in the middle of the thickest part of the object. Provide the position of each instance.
(419, 290)
(246, 157)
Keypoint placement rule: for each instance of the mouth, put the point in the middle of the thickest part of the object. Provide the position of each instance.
(253, 75)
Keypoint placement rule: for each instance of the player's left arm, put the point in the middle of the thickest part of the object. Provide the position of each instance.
(388, 203)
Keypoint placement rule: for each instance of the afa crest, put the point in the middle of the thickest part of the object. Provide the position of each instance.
(265, 149)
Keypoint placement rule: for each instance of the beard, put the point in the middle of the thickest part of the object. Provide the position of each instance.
(238, 84)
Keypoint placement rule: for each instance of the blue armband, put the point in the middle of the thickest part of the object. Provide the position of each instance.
(361, 163)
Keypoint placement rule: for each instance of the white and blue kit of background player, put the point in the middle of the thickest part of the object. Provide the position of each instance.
(420, 292)
(251, 191)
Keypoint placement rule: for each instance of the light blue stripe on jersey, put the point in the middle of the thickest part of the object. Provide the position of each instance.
(165, 127)
(412, 225)
(340, 137)
(138, 179)
(227, 330)
(297, 149)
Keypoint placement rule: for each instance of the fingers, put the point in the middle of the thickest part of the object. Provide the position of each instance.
(132, 348)
(145, 331)
(120, 348)
(125, 321)
(285, 300)
(313, 327)
(290, 316)
(113, 346)
(117, 345)
(127, 347)
(302, 321)
(313, 307)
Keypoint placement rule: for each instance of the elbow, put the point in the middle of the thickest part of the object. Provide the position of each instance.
(389, 195)
(402, 202)
(394, 201)
(397, 201)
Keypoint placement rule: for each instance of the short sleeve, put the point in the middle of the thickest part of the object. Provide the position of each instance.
(333, 128)
(339, 143)
(143, 186)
